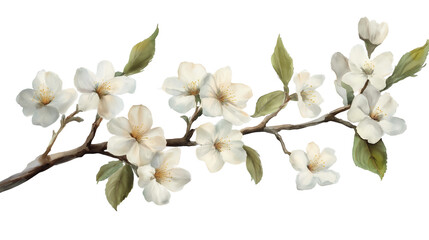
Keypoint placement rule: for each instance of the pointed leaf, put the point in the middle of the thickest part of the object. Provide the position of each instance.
(253, 164)
(371, 157)
(409, 64)
(141, 54)
(282, 63)
(119, 185)
(269, 103)
(184, 117)
(107, 170)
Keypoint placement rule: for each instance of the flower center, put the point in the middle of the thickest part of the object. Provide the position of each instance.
(368, 67)
(222, 144)
(138, 134)
(225, 94)
(308, 96)
(162, 175)
(45, 95)
(316, 164)
(193, 88)
(377, 114)
(102, 88)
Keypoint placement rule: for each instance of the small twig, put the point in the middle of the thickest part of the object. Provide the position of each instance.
(279, 137)
(189, 132)
(364, 86)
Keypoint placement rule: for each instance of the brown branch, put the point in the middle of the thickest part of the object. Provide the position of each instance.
(282, 143)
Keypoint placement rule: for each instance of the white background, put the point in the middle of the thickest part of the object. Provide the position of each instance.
(66, 203)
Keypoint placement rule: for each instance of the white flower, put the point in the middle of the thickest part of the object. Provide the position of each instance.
(363, 69)
(46, 100)
(375, 115)
(340, 65)
(313, 167)
(220, 97)
(219, 144)
(134, 136)
(372, 31)
(308, 98)
(99, 91)
(161, 175)
(186, 87)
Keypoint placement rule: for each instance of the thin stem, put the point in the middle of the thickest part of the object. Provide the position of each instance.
(189, 132)
(280, 139)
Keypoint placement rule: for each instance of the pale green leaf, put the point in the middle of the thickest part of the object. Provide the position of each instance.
(107, 170)
(269, 103)
(371, 157)
(282, 63)
(141, 54)
(119, 185)
(253, 164)
(409, 64)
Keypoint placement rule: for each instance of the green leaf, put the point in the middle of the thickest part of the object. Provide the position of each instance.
(141, 54)
(184, 117)
(107, 170)
(253, 164)
(282, 63)
(371, 157)
(349, 92)
(409, 64)
(269, 103)
(119, 185)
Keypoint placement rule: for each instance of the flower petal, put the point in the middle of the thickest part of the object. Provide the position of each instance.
(328, 157)
(133, 154)
(356, 80)
(178, 178)
(223, 76)
(120, 145)
(121, 85)
(174, 86)
(300, 79)
(210, 87)
(109, 106)
(236, 153)
(190, 72)
(393, 126)
(26, 100)
(235, 135)
(370, 130)
(88, 101)
(45, 116)
(105, 71)
(234, 115)
(170, 158)
(242, 93)
(299, 160)
(377, 81)
(119, 126)
(223, 128)
(363, 28)
(156, 141)
(385, 107)
(383, 64)
(372, 95)
(145, 155)
(326, 177)
(359, 109)
(211, 157)
(211, 107)
(64, 99)
(182, 103)
(155, 192)
(313, 150)
(358, 57)
(305, 180)
(146, 174)
(205, 134)
(53, 82)
(308, 110)
(140, 116)
(315, 81)
(340, 65)
(84, 80)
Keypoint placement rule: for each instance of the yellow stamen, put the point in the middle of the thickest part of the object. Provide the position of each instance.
(222, 144)
(138, 133)
(316, 164)
(368, 67)
(225, 95)
(102, 88)
(45, 95)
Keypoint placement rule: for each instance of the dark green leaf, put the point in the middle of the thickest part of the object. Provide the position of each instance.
(269, 103)
(282, 63)
(107, 170)
(349, 91)
(184, 117)
(409, 64)
(119, 185)
(253, 164)
(141, 54)
(371, 157)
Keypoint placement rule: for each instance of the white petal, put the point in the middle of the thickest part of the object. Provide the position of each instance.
(140, 116)
(328, 157)
(121, 85)
(326, 177)
(205, 134)
(155, 139)
(105, 71)
(236, 154)
(370, 130)
(119, 145)
(88, 101)
(305, 180)
(312, 150)
(84, 80)
(45, 116)
(300, 79)
(170, 158)
(64, 99)
(146, 174)
(385, 107)
(383, 64)
(223, 128)
(211, 107)
(242, 93)
(178, 178)
(109, 106)
(26, 100)
(223, 76)
(315, 81)
(53, 82)
(358, 57)
(119, 126)
(234, 115)
(145, 155)
(155, 192)
(133, 154)
(235, 135)
(299, 160)
(182, 103)
(312, 96)
(340, 65)
(377, 81)
(210, 88)
(211, 157)
(382, 32)
(393, 126)
(40, 80)
(174, 86)
(363, 28)
(191, 72)
(341, 91)
(372, 95)
(359, 109)
(308, 110)
(356, 80)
